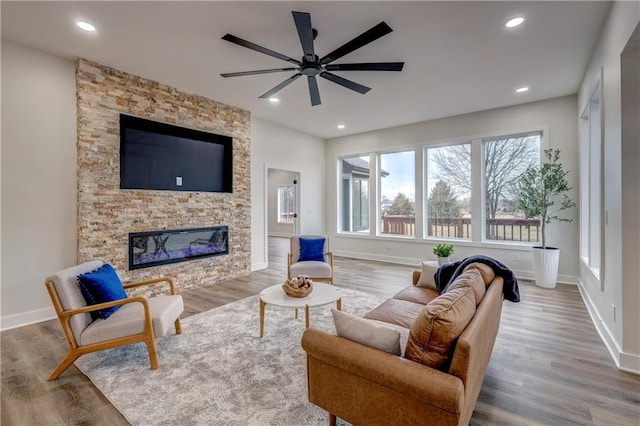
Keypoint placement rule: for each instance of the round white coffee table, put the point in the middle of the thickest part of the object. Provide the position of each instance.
(322, 294)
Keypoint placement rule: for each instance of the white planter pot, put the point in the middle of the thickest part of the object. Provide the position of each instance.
(443, 260)
(545, 265)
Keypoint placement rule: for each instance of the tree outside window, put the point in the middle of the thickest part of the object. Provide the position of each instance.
(397, 193)
(449, 192)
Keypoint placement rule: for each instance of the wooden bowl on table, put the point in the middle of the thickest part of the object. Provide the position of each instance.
(299, 286)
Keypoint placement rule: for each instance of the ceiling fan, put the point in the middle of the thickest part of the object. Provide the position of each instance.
(311, 65)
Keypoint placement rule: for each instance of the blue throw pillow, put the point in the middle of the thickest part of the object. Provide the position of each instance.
(311, 249)
(99, 286)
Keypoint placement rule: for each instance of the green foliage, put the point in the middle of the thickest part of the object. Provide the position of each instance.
(443, 201)
(443, 250)
(541, 191)
(401, 206)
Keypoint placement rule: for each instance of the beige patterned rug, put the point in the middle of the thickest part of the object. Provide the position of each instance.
(219, 372)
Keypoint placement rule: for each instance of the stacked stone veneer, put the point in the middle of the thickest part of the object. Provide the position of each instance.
(106, 213)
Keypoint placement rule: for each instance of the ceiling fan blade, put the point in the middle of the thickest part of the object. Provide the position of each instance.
(253, 46)
(305, 32)
(313, 90)
(366, 37)
(367, 66)
(345, 83)
(239, 74)
(281, 86)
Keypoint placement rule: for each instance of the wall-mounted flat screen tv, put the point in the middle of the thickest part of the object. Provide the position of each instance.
(161, 156)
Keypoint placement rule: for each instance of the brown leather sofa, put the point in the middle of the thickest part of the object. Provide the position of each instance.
(366, 386)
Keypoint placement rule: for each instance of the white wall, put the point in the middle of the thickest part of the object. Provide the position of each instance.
(277, 178)
(557, 117)
(39, 205)
(277, 147)
(619, 285)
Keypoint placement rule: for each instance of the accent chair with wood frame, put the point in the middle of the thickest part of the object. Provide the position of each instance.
(139, 319)
(320, 269)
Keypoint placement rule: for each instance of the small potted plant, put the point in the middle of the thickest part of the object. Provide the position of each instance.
(443, 251)
(541, 192)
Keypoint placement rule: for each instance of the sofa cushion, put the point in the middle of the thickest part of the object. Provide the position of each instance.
(487, 272)
(370, 333)
(396, 311)
(435, 330)
(473, 279)
(415, 294)
(427, 274)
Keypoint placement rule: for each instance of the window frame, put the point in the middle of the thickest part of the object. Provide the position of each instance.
(591, 157)
(279, 204)
(477, 201)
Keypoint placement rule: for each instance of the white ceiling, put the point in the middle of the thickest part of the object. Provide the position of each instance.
(459, 57)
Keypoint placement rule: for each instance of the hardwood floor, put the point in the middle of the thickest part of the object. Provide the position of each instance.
(548, 367)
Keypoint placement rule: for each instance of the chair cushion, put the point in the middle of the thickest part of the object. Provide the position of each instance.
(295, 245)
(100, 286)
(312, 268)
(435, 330)
(129, 320)
(367, 332)
(311, 249)
(68, 291)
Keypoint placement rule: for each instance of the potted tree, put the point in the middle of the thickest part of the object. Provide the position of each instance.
(542, 192)
(443, 251)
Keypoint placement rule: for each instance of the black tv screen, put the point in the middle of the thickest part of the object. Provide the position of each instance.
(165, 157)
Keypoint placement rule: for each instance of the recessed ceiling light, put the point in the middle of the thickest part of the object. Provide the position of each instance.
(514, 22)
(340, 126)
(274, 100)
(522, 89)
(85, 26)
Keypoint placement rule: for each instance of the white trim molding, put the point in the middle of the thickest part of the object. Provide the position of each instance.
(26, 318)
(624, 361)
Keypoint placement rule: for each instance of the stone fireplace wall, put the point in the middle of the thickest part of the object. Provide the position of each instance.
(106, 213)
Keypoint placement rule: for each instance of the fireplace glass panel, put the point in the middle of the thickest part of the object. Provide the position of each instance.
(154, 248)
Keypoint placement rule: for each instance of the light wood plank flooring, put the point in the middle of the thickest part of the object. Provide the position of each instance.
(548, 367)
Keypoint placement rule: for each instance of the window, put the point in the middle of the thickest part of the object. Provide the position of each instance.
(397, 179)
(466, 190)
(355, 194)
(590, 182)
(286, 203)
(448, 192)
(505, 159)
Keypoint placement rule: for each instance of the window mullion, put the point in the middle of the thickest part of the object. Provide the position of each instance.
(419, 197)
(477, 192)
(374, 195)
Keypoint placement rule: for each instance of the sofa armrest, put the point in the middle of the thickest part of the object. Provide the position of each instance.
(432, 387)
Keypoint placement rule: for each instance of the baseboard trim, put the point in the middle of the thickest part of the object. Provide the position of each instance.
(19, 320)
(623, 361)
(378, 258)
(520, 274)
(280, 234)
(259, 265)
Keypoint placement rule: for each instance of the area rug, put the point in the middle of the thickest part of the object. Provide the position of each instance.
(219, 371)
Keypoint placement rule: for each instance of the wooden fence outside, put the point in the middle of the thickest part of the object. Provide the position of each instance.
(504, 229)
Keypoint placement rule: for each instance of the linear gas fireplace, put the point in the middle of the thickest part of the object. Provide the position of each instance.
(154, 248)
